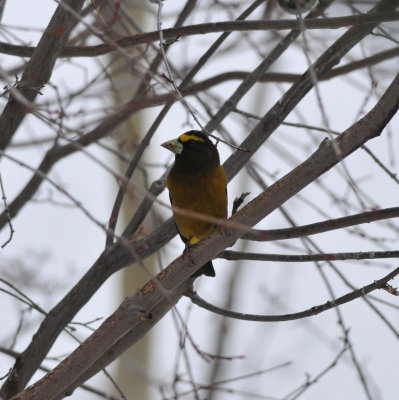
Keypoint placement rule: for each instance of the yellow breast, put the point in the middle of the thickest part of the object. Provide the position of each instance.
(203, 192)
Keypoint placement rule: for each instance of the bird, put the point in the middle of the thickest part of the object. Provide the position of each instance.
(196, 182)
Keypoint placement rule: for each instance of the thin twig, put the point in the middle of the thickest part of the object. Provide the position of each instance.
(7, 212)
(309, 382)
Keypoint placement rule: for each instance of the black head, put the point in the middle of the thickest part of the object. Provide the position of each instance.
(193, 149)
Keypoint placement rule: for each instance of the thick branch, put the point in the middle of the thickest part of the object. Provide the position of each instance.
(88, 388)
(115, 328)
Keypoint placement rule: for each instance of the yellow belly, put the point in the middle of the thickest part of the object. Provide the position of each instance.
(204, 193)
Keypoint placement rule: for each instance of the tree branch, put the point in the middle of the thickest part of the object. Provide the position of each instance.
(267, 235)
(39, 68)
(379, 284)
(214, 27)
(287, 77)
(88, 388)
(365, 255)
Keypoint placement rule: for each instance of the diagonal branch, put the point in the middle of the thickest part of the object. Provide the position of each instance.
(38, 69)
(111, 260)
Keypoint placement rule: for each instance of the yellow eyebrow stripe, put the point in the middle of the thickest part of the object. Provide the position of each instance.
(185, 138)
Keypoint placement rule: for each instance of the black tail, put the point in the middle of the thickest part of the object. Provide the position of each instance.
(206, 269)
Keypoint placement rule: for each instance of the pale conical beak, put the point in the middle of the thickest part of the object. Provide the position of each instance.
(174, 146)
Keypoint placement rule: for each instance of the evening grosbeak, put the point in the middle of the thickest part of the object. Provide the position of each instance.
(196, 182)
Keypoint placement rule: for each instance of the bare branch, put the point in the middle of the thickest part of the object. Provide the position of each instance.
(215, 27)
(323, 226)
(379, 284)
(39, 68)
(88, 388)
(366, 255)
